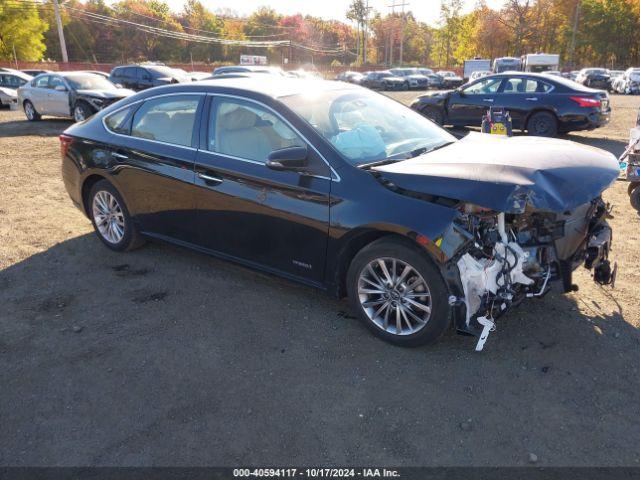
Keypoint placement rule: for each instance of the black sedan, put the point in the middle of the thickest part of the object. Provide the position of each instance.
(543, 105)
(595, 78)
(344, 189)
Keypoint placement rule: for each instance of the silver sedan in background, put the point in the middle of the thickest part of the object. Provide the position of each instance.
(77, 95)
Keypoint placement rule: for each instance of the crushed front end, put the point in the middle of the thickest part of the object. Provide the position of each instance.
(508, 257)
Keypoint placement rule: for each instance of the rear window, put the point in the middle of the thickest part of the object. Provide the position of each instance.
(117, 122)
(167, 119)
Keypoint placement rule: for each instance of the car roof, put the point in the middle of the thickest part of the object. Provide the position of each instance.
(274, 87)
(16, 73)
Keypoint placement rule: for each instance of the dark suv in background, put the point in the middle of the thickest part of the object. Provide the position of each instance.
(140, 77)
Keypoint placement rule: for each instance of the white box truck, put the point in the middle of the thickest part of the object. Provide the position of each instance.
(506, 64)
(540, 62)
(475, 65)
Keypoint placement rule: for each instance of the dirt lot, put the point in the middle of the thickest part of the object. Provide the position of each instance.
(167, 357)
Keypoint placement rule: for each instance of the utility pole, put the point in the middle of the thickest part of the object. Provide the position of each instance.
(393, 11)
(63, 44)
(364, 33)
(576, 16)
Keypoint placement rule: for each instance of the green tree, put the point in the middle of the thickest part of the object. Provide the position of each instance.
(21, 29)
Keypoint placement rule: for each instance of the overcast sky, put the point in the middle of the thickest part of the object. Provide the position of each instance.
(424, 10)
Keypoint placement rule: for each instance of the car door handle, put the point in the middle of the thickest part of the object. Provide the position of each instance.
(119, 155)
(487, 100)
(531, 99)
(209, 178)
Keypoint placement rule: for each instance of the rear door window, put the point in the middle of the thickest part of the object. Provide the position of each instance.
(119, 122)
(167, 119)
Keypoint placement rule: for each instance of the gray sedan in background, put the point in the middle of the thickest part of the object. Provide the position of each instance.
(68, 94)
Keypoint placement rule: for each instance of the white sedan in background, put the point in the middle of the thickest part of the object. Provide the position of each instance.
(10, 81)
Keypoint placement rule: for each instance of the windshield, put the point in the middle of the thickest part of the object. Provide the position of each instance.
(367, 127)
(89, 81)
(159, 71)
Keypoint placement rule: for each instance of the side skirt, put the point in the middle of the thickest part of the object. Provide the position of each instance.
(241, 261)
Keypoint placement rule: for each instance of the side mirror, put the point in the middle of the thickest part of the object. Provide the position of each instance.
(60, 88)
(292, 158)
(119, 85)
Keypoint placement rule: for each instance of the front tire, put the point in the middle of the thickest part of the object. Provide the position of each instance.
(81, 111)
(110, 218)
(31, 112)
(433, 114)
(542, 124)
(398, 293)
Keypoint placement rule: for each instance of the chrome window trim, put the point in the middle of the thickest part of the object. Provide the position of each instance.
(535, 79)
(335, 176)
(287, 123)
(129, 105)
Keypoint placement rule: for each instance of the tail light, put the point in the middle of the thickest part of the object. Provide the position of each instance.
(65, 142)
(586, 101)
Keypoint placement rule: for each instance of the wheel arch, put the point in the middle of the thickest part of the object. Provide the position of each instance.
(361, 240)
(87, 185)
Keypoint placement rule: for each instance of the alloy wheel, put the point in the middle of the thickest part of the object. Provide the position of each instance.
(29, 111)
(79, 114)
(394, 296)
(108, 217)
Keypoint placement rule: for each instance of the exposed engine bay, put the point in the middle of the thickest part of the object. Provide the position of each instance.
(525, 213)
(510, 257)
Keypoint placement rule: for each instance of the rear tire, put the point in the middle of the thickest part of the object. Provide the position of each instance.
(634, 198)
(110, 218)
(31, 112)
(433, 114)
(542, 124)
(400, 294)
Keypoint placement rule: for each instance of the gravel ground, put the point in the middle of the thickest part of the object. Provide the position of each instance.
(167, 357)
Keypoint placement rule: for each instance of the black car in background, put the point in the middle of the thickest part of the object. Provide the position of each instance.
(341, 188)
(384, 80)
(595, 78)
(543, 105)
(249, 69)
(140, 77)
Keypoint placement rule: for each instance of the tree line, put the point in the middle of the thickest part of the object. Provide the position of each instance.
(583, 32)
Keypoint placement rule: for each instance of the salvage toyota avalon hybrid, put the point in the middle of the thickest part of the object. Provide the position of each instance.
(344, 189)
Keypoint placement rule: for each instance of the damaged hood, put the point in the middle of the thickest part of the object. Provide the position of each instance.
(507, 173)
(115, 93)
